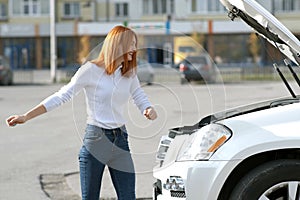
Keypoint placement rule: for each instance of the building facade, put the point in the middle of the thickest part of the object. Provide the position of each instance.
(25, 28)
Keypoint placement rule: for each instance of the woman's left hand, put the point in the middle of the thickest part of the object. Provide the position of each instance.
(150, 113)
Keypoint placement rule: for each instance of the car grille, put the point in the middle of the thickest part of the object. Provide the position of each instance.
(178, 194)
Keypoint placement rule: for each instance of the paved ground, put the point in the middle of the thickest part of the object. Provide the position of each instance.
(41, 156)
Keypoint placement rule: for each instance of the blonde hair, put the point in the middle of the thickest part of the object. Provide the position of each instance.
(115, 47)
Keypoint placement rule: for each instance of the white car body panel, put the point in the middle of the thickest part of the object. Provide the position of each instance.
(254, 135)
(268, 129)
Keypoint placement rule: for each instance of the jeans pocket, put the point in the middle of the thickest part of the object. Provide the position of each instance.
(83, 154)
(82, 159)
(93, 135)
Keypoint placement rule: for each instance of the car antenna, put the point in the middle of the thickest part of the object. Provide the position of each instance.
(284, 80)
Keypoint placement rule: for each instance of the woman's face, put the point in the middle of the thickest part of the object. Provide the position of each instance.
(132, 49)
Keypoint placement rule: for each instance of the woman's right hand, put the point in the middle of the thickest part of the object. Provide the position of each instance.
(16, 119)
(21, 119)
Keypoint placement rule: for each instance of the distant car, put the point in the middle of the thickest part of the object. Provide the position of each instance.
(71, 69)
(159, 66)
(6, 73)
(145, 71)
(198, 68)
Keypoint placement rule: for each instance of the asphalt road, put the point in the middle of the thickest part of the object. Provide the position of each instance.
(50, 143)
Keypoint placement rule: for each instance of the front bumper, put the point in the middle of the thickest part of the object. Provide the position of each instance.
(163, 174)
(199, 75)
(202, 179)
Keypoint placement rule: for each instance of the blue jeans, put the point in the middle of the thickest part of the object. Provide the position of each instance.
(103, 147)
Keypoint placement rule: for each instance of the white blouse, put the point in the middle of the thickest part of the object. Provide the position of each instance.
(106, 95)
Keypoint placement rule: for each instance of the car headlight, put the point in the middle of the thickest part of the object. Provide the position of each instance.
(202, 144)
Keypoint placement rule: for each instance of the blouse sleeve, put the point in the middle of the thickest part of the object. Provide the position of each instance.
(67, 92)
(139, 97)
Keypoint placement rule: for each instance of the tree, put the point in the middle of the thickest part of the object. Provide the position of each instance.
(254, 47)
(198, 37)
(84, 48)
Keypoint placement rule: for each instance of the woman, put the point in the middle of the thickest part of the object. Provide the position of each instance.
(108, 82)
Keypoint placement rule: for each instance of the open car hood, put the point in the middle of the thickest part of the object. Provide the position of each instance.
(266, 25)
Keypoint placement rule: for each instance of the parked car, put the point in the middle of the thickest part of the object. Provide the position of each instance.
(145, 71)
(71, 69)
(198, 68)
(247, 153)
(6, 73)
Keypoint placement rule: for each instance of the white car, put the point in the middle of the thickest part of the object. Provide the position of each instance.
(247, 153)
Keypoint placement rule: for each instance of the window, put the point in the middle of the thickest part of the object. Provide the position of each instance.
(287, 5)
(186, 49)
(194, 5)
(215, 6)
(158, 7)
(72, 10)
(29, 7)
(3, 11)
(45, 8)
(155, 6)
(121, 9)
(206, 6)
(147, 7)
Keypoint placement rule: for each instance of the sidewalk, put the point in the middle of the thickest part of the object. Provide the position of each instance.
(43, 76)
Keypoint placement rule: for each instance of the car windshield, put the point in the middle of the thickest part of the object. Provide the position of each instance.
(187, 49)
(197, 59)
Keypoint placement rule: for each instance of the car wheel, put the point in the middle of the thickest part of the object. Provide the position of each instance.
(150, 80)
(184, 80)
(5, 81)
(212, 79)
(274, 180)
(10, 82)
